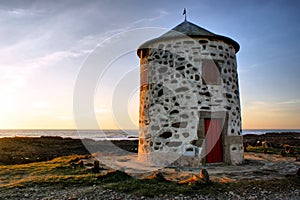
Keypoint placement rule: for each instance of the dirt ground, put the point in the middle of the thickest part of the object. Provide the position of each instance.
(257, 166)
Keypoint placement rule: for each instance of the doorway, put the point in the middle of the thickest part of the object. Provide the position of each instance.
(213, 140)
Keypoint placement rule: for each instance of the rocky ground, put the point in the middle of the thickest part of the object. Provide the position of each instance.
(263, 176)
(276, 140)
(287, 191)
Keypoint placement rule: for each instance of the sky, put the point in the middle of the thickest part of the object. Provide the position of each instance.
(45, 45)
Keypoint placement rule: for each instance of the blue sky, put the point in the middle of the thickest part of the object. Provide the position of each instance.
(45, 43)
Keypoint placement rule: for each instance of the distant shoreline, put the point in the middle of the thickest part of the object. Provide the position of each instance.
(99, 135)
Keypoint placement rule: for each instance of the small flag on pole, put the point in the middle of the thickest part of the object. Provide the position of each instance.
(184, 13)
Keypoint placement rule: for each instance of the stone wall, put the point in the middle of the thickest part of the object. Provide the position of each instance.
(175, 90)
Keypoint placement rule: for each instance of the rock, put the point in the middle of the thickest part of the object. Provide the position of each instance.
(194, 180)
(96, 167)
(283, 153)
(158, 176)
(298, 172)
(265, 151)
(80, 163)
(204, 175)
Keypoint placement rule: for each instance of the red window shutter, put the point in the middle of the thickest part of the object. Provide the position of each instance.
(211, 74)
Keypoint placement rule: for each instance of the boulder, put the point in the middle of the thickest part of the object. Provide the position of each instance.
(96, 167)
(204, 175)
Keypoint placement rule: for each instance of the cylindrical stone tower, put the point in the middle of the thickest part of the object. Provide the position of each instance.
(189, 99)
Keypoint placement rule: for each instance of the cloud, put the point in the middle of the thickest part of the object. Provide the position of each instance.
(20, 60)
(19, 12)
(289, 102)
(55, 57)
(143, 21)
(276, 107)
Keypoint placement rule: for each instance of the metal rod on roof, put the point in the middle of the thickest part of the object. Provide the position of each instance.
(184, 13)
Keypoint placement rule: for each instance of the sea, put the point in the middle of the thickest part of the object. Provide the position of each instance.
(105, 134)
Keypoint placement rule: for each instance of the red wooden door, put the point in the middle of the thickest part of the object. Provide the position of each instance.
(214, 150)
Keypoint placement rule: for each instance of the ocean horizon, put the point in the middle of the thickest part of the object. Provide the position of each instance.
(106, 134)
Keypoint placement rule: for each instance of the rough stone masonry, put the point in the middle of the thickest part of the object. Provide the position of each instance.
(189, 99)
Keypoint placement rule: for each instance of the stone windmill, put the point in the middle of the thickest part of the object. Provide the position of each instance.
(189, 99)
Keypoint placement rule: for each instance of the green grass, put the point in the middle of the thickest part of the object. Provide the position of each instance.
(151, 188)
(271, 150)
(58, 170)
(262, 149)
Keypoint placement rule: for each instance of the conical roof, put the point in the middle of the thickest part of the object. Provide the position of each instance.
(189, 29)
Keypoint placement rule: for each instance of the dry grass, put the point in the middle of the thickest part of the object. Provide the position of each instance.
(61, 172)
(54, 171)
